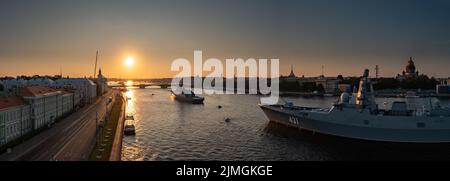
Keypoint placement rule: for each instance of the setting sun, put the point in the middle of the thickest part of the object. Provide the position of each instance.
(129, 61)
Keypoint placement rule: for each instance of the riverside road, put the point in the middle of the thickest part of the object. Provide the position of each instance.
(70, 139)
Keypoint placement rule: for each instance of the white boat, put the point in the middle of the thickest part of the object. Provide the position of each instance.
(188, 96)
(129, 128)
(358, 117)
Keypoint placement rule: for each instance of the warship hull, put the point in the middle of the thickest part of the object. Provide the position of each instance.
(355, 131)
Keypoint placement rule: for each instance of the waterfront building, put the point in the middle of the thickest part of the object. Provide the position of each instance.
(76, 97)
(410, 71)
(43, 104)
(14, 119)
(330, 85)
(87, 90)
(443, 88)
(102, 83)
(65, 103)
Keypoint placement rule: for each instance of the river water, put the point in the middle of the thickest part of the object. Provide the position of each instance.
(170, 130)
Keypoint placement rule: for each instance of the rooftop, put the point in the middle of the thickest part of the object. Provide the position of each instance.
(10, 102)
(66, 90)
(35, 91)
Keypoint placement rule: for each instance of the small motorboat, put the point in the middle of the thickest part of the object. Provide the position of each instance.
(129, 126)
(129, 117)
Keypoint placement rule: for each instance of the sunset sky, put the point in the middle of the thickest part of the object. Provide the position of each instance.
(346, 36)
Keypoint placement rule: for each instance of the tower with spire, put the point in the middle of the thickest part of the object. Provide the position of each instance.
(292, 75)
(102, 83)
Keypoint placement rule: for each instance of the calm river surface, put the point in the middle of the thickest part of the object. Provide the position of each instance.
(170, 130)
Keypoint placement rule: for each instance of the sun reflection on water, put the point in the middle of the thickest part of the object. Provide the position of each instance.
(129, 83)
(130, 108)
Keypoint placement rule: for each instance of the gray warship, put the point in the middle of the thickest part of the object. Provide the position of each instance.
(357, 116)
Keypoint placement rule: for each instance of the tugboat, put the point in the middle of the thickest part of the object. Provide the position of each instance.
(129, 126)
(188, 96)
(358, 117)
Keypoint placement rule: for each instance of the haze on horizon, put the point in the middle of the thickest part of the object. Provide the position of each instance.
(346, 36)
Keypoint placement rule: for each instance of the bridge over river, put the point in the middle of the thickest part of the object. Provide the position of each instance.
(141, 85)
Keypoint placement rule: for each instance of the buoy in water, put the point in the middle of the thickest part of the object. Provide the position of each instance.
(220, 107)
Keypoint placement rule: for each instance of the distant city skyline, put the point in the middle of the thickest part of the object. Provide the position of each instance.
(42, 37)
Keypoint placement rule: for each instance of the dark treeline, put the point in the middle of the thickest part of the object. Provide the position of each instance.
(421, 82)
(294, 86)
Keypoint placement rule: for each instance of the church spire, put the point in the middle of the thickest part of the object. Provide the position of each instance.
(292, 72)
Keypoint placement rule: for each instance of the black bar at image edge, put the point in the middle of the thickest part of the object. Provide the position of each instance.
(215, 169)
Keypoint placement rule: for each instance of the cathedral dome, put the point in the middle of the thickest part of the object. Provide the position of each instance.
(410, 68)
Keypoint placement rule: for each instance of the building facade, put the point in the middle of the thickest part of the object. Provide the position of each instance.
(15, 119)
(84, 88)
(330, 85)
(102, 83)
(87, 90)
(43, 104)
(67, 103)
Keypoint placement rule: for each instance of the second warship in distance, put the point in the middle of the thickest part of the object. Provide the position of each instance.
(357, 116)
(187, 96)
